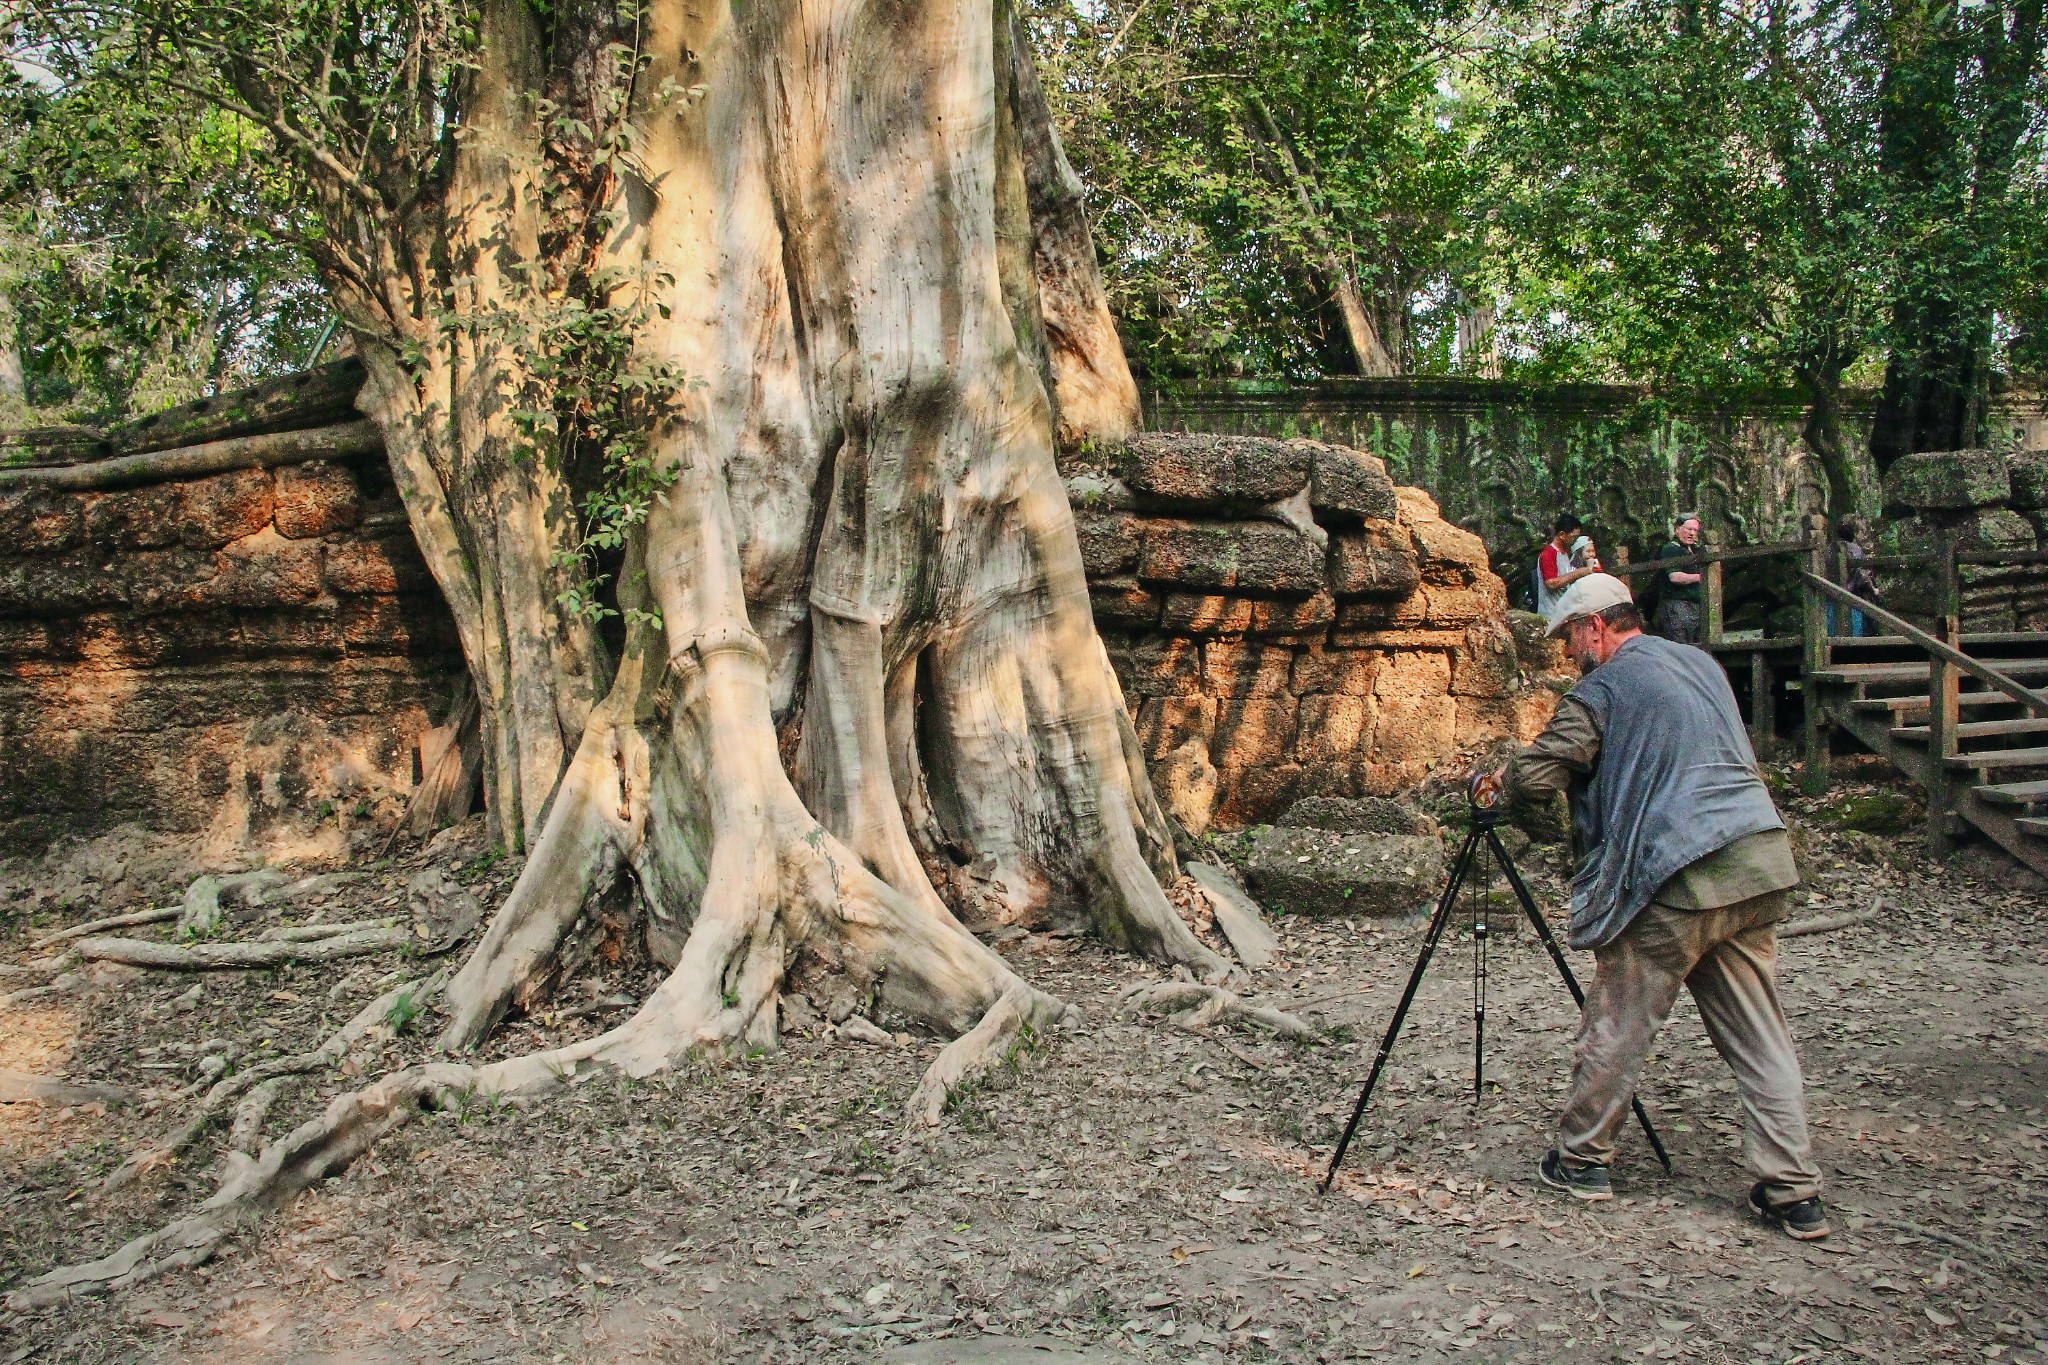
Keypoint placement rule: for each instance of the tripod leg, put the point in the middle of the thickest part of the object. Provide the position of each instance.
(1442, 917)
(1571, 982)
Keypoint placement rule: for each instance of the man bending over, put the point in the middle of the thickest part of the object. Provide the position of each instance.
(1683, 871)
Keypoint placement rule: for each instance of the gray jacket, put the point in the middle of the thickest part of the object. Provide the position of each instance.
(1676, 780)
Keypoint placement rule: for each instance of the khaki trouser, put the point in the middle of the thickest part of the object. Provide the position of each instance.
(1728, 959)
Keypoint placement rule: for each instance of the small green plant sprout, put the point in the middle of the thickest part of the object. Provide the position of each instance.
(405, 1008)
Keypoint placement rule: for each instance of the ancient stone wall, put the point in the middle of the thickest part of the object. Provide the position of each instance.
(1502, 457)
(252, 656)
(248, 657)
(1287, 621)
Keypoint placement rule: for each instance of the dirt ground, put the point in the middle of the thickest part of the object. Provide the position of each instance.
(1127, 1190)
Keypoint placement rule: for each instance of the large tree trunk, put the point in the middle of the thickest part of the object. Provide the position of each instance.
(859, 658)
(865, 543)
(1949, 152)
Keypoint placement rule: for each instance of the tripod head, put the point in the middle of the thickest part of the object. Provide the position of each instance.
(1483, 796)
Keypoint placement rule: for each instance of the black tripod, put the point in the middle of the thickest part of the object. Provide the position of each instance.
(1485, 819)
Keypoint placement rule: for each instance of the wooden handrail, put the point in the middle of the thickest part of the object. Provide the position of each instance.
(1976, 668)
(1701, 558)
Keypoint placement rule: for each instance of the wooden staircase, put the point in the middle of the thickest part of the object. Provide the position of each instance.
(1994, 775)
(1964, 715)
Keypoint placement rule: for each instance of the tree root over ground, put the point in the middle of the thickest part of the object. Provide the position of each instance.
(1196, 1005)
(221, 957)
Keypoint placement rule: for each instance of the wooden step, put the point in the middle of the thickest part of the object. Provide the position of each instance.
(2000, 758)
(1919, 703)
(1869, 674)
(1975, 729)
(2034, 825)
(2012, 793)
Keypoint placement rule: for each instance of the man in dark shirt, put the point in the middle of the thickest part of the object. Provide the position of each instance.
(1678, 609)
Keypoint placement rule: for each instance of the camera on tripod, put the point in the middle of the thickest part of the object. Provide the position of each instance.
(1483, 794)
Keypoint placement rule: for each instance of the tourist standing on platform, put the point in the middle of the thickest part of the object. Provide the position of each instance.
(1678, 601)
(1554, 568)
(1858, 578)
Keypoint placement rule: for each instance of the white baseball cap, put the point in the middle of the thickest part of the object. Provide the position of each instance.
(1594, 593)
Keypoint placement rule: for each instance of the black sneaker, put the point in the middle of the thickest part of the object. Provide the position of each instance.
(1581, 1182)
(1803, 1220)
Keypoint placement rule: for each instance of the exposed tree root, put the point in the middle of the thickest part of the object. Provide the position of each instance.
(216, 957)
(1197, 1005)
(16, 1088)
(1021, 1012)
(94, 926)
(313, 933)
(230, 1088)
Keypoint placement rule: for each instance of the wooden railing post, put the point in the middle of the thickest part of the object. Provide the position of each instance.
(1944, 682)
(1814, 655)
(1711, 627)
(1763, 705)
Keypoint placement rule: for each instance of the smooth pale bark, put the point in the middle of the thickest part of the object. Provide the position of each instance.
(859, 656)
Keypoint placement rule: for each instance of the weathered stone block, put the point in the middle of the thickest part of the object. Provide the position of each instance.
(1346, 671)
(1360, 623)
(1109, 542)
(226, 507)
(1376, 561)
(1348, 484)
(1449, 554)
(371, 567)
(1251, 731)
(1246, 796)
(1990, 528)
(1410, 674)
(1190, 613)
(1448, 606)
(1320, 872)
(1293, 615)
(1166, 723)
(164, 580)
(1359, 815)
(35, 521)
(1253, 556)
(1241, 668)
(1208, 470)
(1333, 727)
(1164, 666)
(2028, 470)
(1120, 602)
(134, 519)
(58, 585)
(265, 570)
(1485, 665)
(1414, 729)
(1948, 480)
(313, 499)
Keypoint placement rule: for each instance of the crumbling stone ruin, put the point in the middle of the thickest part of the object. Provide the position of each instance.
(1978, 500)
(247, 657)
(1287, 621)
(253, 656)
